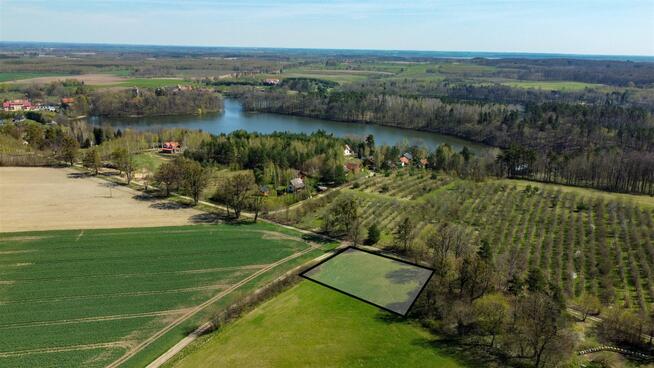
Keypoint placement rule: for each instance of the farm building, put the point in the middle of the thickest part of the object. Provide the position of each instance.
(295, 185)
(352, 166)
(404, 161)
(171, 147)
(17, 105)
(271, 82)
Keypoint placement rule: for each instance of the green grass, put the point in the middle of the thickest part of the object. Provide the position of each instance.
(150, 161)
(11, 76)
(65, 288)
(380, 280)
(312, 326)
(552, 85)
(150, 83)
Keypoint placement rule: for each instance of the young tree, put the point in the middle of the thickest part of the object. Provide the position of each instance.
(539, 328)
(373, 234)
(124, 161)
(238, 191)
(194, 178)
(492, 314)
(343, 216)
(69, 149)
(169, 175)
(588, 304)
(92, 160)
(404, 233)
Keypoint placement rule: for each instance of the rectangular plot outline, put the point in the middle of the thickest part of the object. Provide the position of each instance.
(431, 274)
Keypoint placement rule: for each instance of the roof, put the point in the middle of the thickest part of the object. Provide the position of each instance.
(297, 183)
(424, 161)
(16, 103)
(408, 155)
(67, 100)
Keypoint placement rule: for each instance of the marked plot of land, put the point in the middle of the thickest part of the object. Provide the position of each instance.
(385, 282)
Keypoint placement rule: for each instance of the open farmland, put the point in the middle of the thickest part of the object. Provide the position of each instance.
(94, 79)
(87, 297)
(312, 326)
(50, 199)
(583, 241)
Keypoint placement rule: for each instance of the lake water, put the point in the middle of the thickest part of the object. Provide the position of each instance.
(234, 118)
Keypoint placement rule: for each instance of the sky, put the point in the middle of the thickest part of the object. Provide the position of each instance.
(606, 27)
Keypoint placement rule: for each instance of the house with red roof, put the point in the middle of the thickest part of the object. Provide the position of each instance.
(17, 105)
(171, 147)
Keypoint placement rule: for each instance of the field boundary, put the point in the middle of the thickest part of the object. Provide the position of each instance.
(305, 276)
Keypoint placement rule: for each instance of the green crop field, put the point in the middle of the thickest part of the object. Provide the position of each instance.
(585, 241)
(150, 83)
(552, 85)
(313, 326)
(84, 298)
(11, 76)
(382, 281)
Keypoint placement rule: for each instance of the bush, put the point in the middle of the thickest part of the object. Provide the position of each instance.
(373, 234)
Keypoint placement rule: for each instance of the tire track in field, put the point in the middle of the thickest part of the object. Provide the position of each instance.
(130, 293)
(128, 275)
(130, 353)
(94, 319)
(103, 345)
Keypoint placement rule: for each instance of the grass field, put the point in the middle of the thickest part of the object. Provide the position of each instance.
(313, 326)
(11, 76)
(84, 298)
(585, 241)
(382, 281)
(151, 82)
(552, 85)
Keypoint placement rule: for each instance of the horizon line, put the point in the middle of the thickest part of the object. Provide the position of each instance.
(551, 53)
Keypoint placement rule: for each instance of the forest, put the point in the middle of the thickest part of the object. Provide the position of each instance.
(578, 144)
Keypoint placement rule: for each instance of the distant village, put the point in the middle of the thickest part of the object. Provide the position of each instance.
(27, 105)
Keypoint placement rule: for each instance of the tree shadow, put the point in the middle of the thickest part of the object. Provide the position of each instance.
(206, 218)
(143, 197)
(79, 175)
(169, 206)
(467, 354)
(403, 275)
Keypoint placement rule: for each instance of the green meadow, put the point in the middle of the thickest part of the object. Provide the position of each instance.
(382, 281)
(312, 326)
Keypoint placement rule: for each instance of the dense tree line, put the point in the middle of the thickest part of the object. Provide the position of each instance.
(271, 156)
(142, 102)
(572, 140)
(452, 90)
(617, 73)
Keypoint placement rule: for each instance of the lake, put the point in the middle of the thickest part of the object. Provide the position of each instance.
(234, 118)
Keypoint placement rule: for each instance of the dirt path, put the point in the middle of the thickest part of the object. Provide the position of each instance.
(104, 345)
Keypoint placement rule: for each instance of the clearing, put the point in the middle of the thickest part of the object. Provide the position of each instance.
(313, 326)
(94, 79)
(93, 297)
(388, 283)
(51, 199)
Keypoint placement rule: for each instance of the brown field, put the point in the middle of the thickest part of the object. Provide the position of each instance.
(93, 79)
(51, 199)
